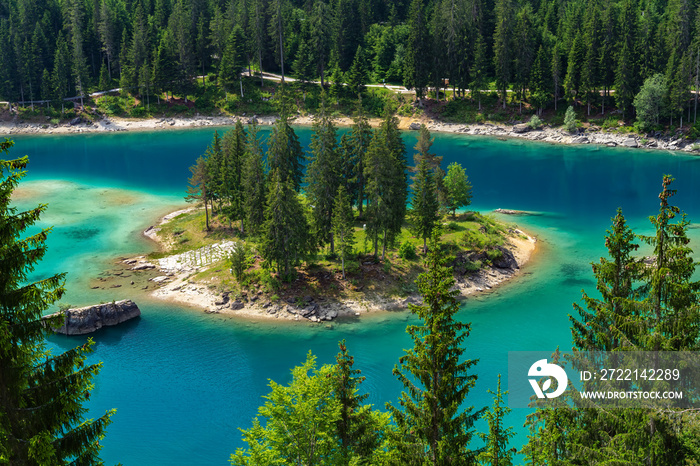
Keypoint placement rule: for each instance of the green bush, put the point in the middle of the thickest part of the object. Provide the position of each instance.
(138, 112)
(240, 259)
(407, 251)
(535, 122)
(610, 122)
(570, 119)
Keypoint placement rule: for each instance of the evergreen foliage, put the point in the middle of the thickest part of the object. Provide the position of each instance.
(343, 226)
(41, 395)
(434, 426)
(254, 182)
(425, 209)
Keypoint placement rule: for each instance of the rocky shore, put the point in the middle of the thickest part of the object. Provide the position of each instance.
(557, 135)
(89, 319)
(173, 283)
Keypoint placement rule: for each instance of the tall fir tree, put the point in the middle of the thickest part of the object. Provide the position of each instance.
(41, 394)
(496, 452)
(323, 175)
(233, 146)
(343, 225)
(285, 154)
(360, 139)
(434, 426)
(424, 213)
(254, 182)
(286, 238)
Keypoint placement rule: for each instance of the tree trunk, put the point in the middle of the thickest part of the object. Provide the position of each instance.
(384, 246)
(342, 261)
(206, 214)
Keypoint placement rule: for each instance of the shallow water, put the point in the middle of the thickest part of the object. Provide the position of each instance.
(183, 381)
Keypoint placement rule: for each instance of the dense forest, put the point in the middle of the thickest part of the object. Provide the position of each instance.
(588, 52)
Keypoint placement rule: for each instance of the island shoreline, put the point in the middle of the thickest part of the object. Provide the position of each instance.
(175, 287)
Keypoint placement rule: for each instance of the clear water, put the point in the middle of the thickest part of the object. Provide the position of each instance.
(183, 381)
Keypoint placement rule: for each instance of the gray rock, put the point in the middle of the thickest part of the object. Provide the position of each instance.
(521, 128)
(144, 266)
(76, 121)
(88, 319)
(630, 142)
(580, 140)
(506, 261)
(414, 126)
(236, 305)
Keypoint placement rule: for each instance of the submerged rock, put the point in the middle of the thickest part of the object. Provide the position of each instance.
(88, 319)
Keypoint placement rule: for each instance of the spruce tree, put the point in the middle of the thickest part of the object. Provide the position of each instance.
(605, 323)
(435, 427)
(323, 174)
(343, 225)
(285, 239)
(359, 143)
(416, 60)
(199, 183)
(233, 149)
(254, 182)
(284, 150)
(41, 395)
(424, 212)
(387, 189)
(233, 60)
(497, 452)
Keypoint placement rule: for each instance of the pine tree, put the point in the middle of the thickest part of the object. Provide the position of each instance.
(480, 69)
(425, 207)
(387, 189)
(233, 147)
(198, 189)
(497, 452)
(285, 232)
(285, 154)
(254, 182)
(214, 157)
(357, 426)
(343, 225)
(672, 302)
(502, 44)
(323, 174)
(233, 59)
(357, 75)
(41, 395)
(606, 323)
(359, 144)
(416, 67)
(434, 426)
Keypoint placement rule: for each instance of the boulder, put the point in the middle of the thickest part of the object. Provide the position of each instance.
(521, 128)
(144, 266)
(506, 261)
(76, 121)
(414, 126)
(580, 140)
(88, 319)
(630, 142)
(236, 305)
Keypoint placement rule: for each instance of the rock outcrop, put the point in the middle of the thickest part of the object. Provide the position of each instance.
(88, 319)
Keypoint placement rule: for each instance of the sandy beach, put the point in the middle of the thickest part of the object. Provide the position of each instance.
(171, 275)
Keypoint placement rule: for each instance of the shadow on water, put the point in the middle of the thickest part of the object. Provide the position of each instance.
(109, 336)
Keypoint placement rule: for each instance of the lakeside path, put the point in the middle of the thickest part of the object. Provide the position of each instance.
(174, 284)
(591, 135)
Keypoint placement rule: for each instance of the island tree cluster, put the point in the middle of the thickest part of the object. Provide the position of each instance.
(305, 202)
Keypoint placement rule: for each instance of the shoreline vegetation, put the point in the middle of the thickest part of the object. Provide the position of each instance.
(590, 134)
(179, 277)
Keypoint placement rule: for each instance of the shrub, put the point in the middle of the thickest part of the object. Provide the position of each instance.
(240, 259)
(570, 119)
(407, 250)
(535, 122)
(138, 112)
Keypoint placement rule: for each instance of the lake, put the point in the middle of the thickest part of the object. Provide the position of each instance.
(183, 382)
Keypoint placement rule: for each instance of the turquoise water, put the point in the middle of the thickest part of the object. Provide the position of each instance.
(183, 381)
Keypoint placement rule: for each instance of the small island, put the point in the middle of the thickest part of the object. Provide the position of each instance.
(486, 253)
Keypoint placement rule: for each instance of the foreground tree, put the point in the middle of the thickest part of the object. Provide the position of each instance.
(41, 395)
(254, 182)
(318, 419)
(433, 425)
(424, 204)
(497, 452)
(198, 190)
